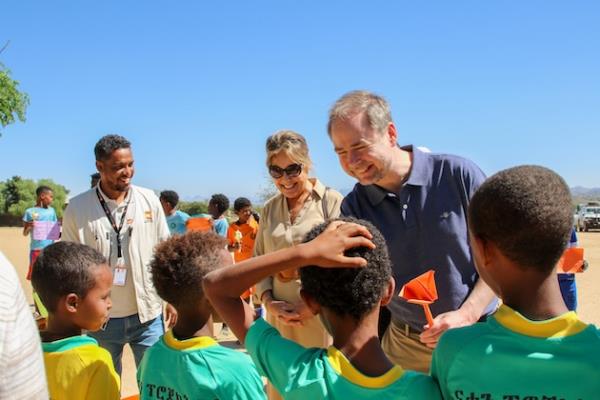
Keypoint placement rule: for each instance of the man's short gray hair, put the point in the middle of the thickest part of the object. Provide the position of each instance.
(356, 102)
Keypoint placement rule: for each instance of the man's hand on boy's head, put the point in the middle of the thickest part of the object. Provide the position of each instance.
(327, 249)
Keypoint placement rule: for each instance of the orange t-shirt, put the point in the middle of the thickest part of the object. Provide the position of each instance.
(246, 237)
(201, 224)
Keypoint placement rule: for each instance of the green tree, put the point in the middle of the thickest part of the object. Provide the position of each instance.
(19, 195)
(193, 207)
(2, 185)
(13, 103)
(266, 191)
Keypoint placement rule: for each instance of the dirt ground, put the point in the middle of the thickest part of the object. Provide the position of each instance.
(16, 247)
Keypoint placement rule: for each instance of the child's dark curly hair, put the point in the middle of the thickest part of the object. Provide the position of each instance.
(170, 196)
(350, 291)
(220, 201)
(527, 212)
(240, 203)
(181, 262)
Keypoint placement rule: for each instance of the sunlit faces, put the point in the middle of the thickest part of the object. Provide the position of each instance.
(116, 171)
(290, 186)
(292, 170)
(363, 153)
(93, 309)
(166, 206)
(244, 214)
(46, 198)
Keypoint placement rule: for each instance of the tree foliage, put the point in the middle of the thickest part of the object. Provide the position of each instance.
(266, 191)
(193, 207)
(2, 186)
(13, 103)
(18, 194)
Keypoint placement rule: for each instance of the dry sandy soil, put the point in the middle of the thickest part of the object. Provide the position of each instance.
(16, 248)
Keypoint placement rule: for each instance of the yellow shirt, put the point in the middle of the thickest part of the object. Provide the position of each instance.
(77, 368)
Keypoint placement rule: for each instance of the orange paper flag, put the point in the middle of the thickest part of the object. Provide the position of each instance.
(421, 290)
(571, 261)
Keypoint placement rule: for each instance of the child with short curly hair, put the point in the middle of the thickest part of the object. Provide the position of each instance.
(533, 347)
(185, 362)
(346, 295)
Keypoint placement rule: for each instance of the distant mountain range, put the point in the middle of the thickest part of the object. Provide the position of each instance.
(582, 192)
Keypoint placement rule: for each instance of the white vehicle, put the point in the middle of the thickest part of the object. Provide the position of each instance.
(588, 217)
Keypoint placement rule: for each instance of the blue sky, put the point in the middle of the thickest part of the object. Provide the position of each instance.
(198, 87)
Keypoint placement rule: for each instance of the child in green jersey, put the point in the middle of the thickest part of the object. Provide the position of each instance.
(74, 283)
(532, 348)
(186, 363)
(346, 295)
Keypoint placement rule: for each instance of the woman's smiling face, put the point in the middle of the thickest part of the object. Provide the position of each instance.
(290, 187)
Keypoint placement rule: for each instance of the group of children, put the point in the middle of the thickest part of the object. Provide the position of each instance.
(179, 222)
(532, 348)
(240, 234)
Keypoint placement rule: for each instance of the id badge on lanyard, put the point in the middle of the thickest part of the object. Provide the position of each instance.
(120, 273)
(120, 269)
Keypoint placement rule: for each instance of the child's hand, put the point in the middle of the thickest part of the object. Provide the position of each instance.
(327, 249)
(304, 311)
(170, 316)
(284, 312)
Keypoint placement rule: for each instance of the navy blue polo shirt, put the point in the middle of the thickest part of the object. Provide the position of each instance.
(425, 227)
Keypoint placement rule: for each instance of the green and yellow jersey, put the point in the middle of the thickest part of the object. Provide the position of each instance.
(77, 368)
(511, 357)
(299, 373)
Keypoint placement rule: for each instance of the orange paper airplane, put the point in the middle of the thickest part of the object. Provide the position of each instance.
(571, 260)
(421, 290)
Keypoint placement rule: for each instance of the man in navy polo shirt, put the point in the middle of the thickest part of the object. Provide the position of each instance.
(419, 202)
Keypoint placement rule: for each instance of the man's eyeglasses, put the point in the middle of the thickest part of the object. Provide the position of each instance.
(292, 171)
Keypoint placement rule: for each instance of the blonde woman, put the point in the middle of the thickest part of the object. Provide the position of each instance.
(301, 204)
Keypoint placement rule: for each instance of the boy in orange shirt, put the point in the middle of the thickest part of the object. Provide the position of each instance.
(241, 234)
(242, 244)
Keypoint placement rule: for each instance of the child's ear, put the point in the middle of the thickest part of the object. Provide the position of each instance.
(388, 292)
(480, 249)
(310, 302)
(71, 302)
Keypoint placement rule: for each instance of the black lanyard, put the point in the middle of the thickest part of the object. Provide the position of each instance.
(112, 221)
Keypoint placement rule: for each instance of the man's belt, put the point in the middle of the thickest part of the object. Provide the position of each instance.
(405, 328)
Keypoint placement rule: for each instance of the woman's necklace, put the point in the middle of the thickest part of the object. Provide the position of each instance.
(299, 204)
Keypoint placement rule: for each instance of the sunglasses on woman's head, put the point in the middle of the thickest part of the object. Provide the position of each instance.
(292, 171)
